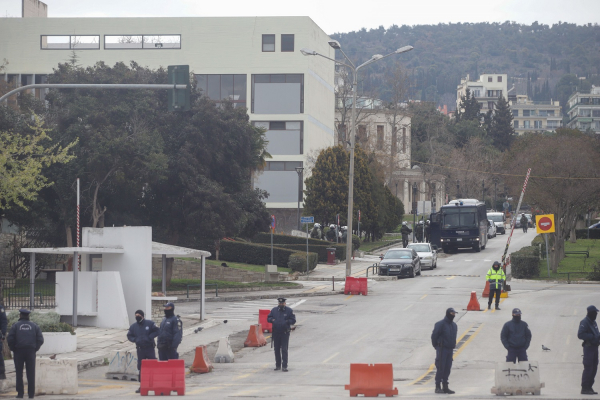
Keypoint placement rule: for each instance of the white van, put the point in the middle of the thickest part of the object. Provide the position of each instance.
(498, 219)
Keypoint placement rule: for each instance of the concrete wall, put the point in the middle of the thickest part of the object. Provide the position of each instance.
(34, 8)
(183, 269)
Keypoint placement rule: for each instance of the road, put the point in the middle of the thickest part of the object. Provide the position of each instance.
(393, 324)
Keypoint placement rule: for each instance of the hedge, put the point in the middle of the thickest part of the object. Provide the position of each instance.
(525, 263)
(297, 261)
(258, 254)
(595, 275)
(48, 322)
(321, 251)
(285, 239)
(583, 233)
(539, 239)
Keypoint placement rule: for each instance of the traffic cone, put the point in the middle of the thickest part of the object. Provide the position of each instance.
(486, 290)
(201, 364)
(473, 303)
(255, 337)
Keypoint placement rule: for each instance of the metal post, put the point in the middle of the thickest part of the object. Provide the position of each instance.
(75, 286)
(458, 188)
(203, 289)
(306, 249)
(351, 172)
(357, 229)
(495, 191)
(299, 171)
(32, 281)
(547, 258)
(414, 226)
(272, 245)
(164, 274)
(483, 191)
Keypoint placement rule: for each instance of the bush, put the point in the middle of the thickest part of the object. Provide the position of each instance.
(525, 263)
(321, 251)
(286, 239)
(355, 243)
(258, 254)
(595, 275)
(539, 240)
(297, 261)
(48, 322)
(583, 233)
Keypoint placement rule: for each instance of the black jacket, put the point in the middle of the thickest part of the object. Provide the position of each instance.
(444, 334)
(143, 333)
(588, 332)
(515, 335)
(25, 335)
(169, 335)
(405, 230)
(282, 320)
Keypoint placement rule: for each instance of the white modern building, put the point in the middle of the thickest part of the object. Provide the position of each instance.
(584, 110)
(535, 116)
(253, 61)
(486, 90)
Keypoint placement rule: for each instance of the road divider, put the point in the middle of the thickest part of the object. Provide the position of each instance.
(473, 303)
(201, 364)
(255, 337)
(224, 352)
(371, 380)
(356, 286)
(163, 377)
(262, 320)
(517, 378)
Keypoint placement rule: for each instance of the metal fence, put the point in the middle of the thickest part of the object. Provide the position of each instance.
(15, 294)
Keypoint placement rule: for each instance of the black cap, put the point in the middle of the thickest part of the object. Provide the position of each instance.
(451, 310)
(140, 312)
(592, 309)
(516, 311)
(24, 311)
(169, 304)
(281, 299)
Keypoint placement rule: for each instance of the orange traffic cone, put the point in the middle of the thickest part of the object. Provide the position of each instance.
(486, 290)
(255, 337)
(473, 303)
(201, 363)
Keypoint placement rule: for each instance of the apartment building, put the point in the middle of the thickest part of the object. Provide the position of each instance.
(486, 90)
(584, 111)
(531, 116)
(254, 62)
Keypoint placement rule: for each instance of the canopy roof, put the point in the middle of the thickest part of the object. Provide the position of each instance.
(158, 250)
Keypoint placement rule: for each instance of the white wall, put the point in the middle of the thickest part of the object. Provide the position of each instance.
(86, 293)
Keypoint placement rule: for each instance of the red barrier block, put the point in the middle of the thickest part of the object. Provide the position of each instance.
(262, 320)
(351, 286)
(255, 337)
(362, 286)
(163, 377)
(201, 363)
(486, 290)
(371, 380)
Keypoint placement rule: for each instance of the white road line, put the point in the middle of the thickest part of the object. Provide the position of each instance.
(297, 304)
(468, 260)
(449, 260)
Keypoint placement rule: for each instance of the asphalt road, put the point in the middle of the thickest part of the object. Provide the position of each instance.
(393, 324)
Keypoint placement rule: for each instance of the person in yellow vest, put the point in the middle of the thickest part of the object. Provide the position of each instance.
(496, 277)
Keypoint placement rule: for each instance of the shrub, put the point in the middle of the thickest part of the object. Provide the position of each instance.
(286, 239)
(321, 251)
(297, 261)
(355, 243)
(48, 322)
(539, 240)
(525, 263)
(595, 275)
(583, 233)
(258, 254)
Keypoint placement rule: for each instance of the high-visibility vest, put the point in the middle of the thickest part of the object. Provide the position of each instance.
(495, 278)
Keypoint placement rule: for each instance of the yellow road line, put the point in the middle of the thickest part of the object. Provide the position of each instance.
(103, 387)
(251, 372)
(348, 297)
(360, 338)
(408, 307)
(306, 373)
(423, 297)
(467, 342)
(330, 358)
(203, 390)
(452, 277)
(250, 391)
(316, 289)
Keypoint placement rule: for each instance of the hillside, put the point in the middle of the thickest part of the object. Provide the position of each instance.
(534, 56)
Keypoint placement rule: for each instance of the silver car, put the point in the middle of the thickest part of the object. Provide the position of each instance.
(491, 229)
(427, 254)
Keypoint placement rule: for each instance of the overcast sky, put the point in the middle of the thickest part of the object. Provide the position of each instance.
(333, 15)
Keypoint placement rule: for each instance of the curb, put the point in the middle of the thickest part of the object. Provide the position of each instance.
(261, 296)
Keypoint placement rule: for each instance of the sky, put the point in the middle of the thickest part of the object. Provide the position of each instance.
(334, 16)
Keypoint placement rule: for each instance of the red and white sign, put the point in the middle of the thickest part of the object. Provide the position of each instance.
(545, 223)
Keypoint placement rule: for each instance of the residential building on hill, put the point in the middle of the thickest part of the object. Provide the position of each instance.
(584, 111)
(486, 90)
(531, 116)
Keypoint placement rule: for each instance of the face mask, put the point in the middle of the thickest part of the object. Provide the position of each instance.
(281, 306)
(517, 317)
(169, 313)
(592, 315)
(450, 316)
(138, 318)
(496, 268)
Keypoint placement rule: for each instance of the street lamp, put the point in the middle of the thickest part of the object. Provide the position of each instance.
(336, 45)
(299, 171)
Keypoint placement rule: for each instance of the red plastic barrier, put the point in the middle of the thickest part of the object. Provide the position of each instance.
(371, 380)
(201, 363)
(351, 286)
(362, 286)
(486, 290)
(262, 320)
(473, 303)
(255, 337)
(163, 377)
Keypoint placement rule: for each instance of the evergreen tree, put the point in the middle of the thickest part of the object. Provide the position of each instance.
(502, 131)
(468, 108)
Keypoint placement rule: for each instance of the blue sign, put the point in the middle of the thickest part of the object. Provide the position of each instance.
(307, 220)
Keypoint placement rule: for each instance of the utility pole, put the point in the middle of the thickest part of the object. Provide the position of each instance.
(483, 190)
(458, 188)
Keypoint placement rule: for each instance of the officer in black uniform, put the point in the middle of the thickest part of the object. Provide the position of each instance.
(282, 318)
(443, 339)
(142, 333)
(516, 337)
(3, 326)
(588, 332)
(169, 335)
(25, 339)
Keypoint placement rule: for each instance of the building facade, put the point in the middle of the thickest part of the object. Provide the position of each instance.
(535, 116)
(486, 90)
(254, 62)
(584, 111)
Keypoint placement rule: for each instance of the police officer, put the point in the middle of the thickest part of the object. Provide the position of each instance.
(443, 340)
(25, 339)
(405, 231)
(496, 277)
(169, 335)
(330, 235)
(142, 333)
(282, 318)
(588, 332)
(516, 337)
(3, 326)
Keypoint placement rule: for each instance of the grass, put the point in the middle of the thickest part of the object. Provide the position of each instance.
(369, 246)
(181, 284)
(22, 287)
(247, 267)
(574, 262)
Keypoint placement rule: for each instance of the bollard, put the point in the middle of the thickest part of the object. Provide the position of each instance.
(333, 284)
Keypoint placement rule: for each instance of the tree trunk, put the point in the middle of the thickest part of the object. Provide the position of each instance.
(170, 261)
(69, 235)
(572, 236)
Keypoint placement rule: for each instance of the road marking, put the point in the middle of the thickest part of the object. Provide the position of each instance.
(103, 387)
(316, 289)
(568, 339)
(360, 338)
(348, 297)
(330, 358)
(449, 260)
(487, 260)
(501, 301)
(203, 390)
(468, 260)
(452, 277)
(250, 391)
(306, 373)
(251, 372)
(467, 339)
(423, 297)
(408, 307)
(298, 303)
(575, 312)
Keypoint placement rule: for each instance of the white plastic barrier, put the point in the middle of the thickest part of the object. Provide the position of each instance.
(517, 378)
(224, 352)
(56, 376)
(122, 365)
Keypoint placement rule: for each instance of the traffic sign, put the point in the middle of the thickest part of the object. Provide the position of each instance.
(544, 223)
(307, 220)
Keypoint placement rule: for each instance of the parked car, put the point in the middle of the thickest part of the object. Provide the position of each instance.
(400, 262)
(595, 226)
(427, 254)
(498, 219)
(491, 229)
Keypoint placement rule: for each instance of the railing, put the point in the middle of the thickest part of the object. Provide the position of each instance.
(569, 274)
(374, 266)
(15, 294)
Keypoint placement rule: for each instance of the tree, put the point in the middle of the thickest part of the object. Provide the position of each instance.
(565, 179)
(468, 109)
(502, 131)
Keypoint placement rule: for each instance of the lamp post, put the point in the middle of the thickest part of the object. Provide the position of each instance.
(396, 189)
(336, 45)
(299, 170)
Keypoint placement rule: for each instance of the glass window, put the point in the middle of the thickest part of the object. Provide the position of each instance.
(526, 124)
(489, 79)
(379, 137)
(268, 43)
(537, 124)
(156, 42)
(162, 42)
(526, 113)
(515, 113)
(499, 79)
(278, 94)
(585, 112)
(66, 42)
(281, 181)
(223, 88)
(287, 42)
(516, 124)
(283, 137)
(595, 113)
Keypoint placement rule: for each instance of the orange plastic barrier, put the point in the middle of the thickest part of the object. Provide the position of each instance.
(262, 319)
(163, 377)
(201, 363)
(371, 380)
(473, 303)
(255, 337)
(351, 286)
(362, 286)
(486, 290)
